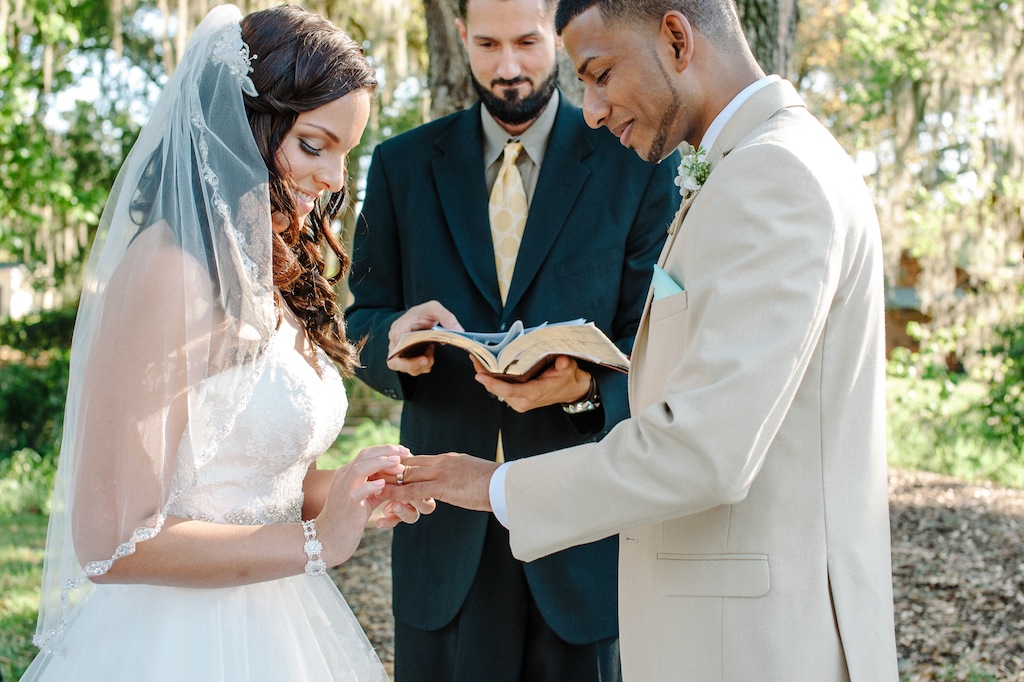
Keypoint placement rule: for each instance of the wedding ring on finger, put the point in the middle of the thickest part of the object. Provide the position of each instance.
(401, 475)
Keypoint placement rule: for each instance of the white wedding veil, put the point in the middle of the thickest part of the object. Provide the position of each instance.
(178, 288)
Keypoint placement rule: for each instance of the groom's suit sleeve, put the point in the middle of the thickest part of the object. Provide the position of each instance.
(760, 275)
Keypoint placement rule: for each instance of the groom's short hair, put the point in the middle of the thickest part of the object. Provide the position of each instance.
(709, 17)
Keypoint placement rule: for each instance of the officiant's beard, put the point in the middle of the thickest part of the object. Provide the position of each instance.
(512, 109)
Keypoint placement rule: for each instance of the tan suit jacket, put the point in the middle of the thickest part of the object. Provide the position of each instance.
(750, 485)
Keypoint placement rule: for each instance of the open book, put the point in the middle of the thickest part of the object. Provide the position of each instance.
(520, 354)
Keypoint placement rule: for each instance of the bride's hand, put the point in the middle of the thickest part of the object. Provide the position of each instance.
(406, 511)
(352, 498)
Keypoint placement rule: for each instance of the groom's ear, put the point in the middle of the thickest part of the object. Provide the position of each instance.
(676, 34)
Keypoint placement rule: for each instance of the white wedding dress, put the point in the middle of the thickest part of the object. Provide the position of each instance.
(296, 628)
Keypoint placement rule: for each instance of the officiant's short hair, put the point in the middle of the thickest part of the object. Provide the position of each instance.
(549, 6)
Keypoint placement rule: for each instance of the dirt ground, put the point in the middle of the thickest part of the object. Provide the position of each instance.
(958, 578)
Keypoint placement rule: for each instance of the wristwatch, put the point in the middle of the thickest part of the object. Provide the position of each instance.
(591, 401)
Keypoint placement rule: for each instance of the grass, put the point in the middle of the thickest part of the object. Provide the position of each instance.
(21, 570)
(365, 434)
(932, 429)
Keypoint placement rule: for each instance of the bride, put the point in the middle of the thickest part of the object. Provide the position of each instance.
(191, 531)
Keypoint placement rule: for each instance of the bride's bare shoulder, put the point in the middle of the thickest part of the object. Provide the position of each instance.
(155, 258)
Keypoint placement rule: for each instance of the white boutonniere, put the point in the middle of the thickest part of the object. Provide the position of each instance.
(693, 171)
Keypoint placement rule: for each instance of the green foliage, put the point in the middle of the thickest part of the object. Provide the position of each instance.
(21, 571)
(937, 421)
(350, 442)
(63, 131)
(404, 112)
(973, 674)
(40, 332)
(32, 405)
(26, 482)
(922, 94)
(1003, 407)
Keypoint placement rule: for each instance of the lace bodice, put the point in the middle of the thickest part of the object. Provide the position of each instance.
(252, 472)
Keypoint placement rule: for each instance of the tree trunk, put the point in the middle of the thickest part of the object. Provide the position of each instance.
(448, 76)
(770, 26)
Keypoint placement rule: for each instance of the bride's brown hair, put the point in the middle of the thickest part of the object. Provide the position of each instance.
(302, 61)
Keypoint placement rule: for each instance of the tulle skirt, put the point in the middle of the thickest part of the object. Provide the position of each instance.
(296, 628)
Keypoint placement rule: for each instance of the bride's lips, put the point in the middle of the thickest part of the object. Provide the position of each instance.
(305, 201)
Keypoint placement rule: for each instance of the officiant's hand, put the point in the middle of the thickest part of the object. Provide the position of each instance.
(462, 480)
(422, 316)
(563, 382)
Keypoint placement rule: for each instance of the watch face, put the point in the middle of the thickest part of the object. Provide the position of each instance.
(581, 406)
(591, 401)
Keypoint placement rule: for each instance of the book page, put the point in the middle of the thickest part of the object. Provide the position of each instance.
(583, 342)
(411, 344)
(521, 354)
(492, 341)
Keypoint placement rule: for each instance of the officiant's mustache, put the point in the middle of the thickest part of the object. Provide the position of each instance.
(509, 83)
(511, 108)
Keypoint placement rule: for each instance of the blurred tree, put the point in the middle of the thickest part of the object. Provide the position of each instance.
(66, 120)
(78, 77)
(929, 96)
(448, 76)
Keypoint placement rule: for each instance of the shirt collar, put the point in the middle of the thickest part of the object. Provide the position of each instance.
(713, 131)
(534, 139)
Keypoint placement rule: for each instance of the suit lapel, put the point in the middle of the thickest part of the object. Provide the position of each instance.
(640, 340)
(764, 104)
(761, 106)
(561, 179)
(673, 228)
(459, 179)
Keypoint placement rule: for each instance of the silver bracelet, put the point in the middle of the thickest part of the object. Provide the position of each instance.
(315, 566)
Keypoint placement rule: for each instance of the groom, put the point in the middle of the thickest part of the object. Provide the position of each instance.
(749, 487)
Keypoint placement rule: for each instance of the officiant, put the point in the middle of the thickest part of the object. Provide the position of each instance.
(510, 210)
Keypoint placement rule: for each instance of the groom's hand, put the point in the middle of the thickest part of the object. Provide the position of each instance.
(454, 478)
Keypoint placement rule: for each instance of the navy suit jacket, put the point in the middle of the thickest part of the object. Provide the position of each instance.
(597, 223)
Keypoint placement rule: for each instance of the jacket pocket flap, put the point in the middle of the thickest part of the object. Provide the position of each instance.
(668, 306)
(712, 575)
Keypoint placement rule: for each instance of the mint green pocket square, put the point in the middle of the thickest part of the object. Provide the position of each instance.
(663, 284)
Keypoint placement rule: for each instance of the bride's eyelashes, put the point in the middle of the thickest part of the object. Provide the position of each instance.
(309, 148)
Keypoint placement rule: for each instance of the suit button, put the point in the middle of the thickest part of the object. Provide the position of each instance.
(503, 327)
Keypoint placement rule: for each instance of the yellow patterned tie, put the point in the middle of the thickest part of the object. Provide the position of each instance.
(507, 209)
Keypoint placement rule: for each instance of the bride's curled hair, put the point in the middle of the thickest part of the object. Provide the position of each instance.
(302, 61)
